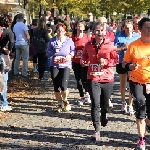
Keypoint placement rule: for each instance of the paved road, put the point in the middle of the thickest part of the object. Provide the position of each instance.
(33, 125)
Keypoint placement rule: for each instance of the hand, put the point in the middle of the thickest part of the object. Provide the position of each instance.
(6, 51)
(68, 57)
(134, 66)
(126, 45)
(102, 61)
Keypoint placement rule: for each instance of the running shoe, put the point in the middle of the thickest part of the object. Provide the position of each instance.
(131, 111)
(66, 105)
(124, 107)
(81, 101)
(96, 136)
(141, 144)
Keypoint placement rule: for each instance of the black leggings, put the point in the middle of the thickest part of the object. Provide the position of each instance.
(81, 77)
(35, 59)
(41, 63)
(142, 106)
(60, 77)
(100, 94)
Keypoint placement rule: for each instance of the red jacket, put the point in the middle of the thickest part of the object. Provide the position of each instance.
(91, 57)
(79, 46)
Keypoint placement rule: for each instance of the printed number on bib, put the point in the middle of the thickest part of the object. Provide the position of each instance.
(59, 60)
(95, 69)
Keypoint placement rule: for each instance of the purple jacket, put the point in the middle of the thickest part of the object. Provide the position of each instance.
(67, 48)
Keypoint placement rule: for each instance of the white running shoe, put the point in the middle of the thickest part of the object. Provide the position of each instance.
(110, 104)
(124, 107)
(131, 111)
(6, 108)
(81, 101)
(35, 70)
(87, 98)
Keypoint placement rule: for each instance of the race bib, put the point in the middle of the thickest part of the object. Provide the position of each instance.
(59, 60)
(79, 54)
(95, 69)
(147, 85)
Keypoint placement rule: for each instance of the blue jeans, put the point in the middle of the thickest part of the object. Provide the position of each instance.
(21, 51)
(4, 101)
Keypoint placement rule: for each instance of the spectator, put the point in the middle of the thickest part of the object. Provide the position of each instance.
(21, 45)
(6, 45)
(32, 50)
(40, 41)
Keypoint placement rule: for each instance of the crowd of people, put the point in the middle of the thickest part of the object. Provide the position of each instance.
(92, 49)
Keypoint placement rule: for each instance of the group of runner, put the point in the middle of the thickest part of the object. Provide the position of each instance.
(93, 57)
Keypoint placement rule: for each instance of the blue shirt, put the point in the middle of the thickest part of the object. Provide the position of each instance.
(19, 30)
(122, 39)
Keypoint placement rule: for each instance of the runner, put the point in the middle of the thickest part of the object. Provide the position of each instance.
(80, 72)
(122, 42)
(138, 53)
(101, 56)
(61, 48)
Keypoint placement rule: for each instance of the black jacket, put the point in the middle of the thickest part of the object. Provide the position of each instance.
(40, 40)
(7, 40)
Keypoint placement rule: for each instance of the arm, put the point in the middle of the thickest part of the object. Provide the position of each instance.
(46, 37)
(72, 49)
(85, 57)
(50, 50)
(25, 28)
(111, 58)
(128, 59)
(114, 59)
(118, 45)
(10, 44)
(27, 35)
(11, 40)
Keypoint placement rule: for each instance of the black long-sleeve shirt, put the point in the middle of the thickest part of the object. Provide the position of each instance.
(7, 40)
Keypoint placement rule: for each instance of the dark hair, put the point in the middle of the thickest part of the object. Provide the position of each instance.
(35, 22)
(142, 21)
(4, 21)
(125, 22)
(97, 24)
(20, 16)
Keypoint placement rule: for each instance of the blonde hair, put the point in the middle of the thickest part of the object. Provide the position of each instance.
(102, 20)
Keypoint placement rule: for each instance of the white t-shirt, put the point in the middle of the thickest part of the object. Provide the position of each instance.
(19, 30)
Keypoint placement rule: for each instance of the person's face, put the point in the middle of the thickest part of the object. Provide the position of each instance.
(48, 13)
(61, 32)
(145, 31)
(128, 28)
(80, 27)
(100, 32)
(135, 24)
(90, 16)
(120, 26)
